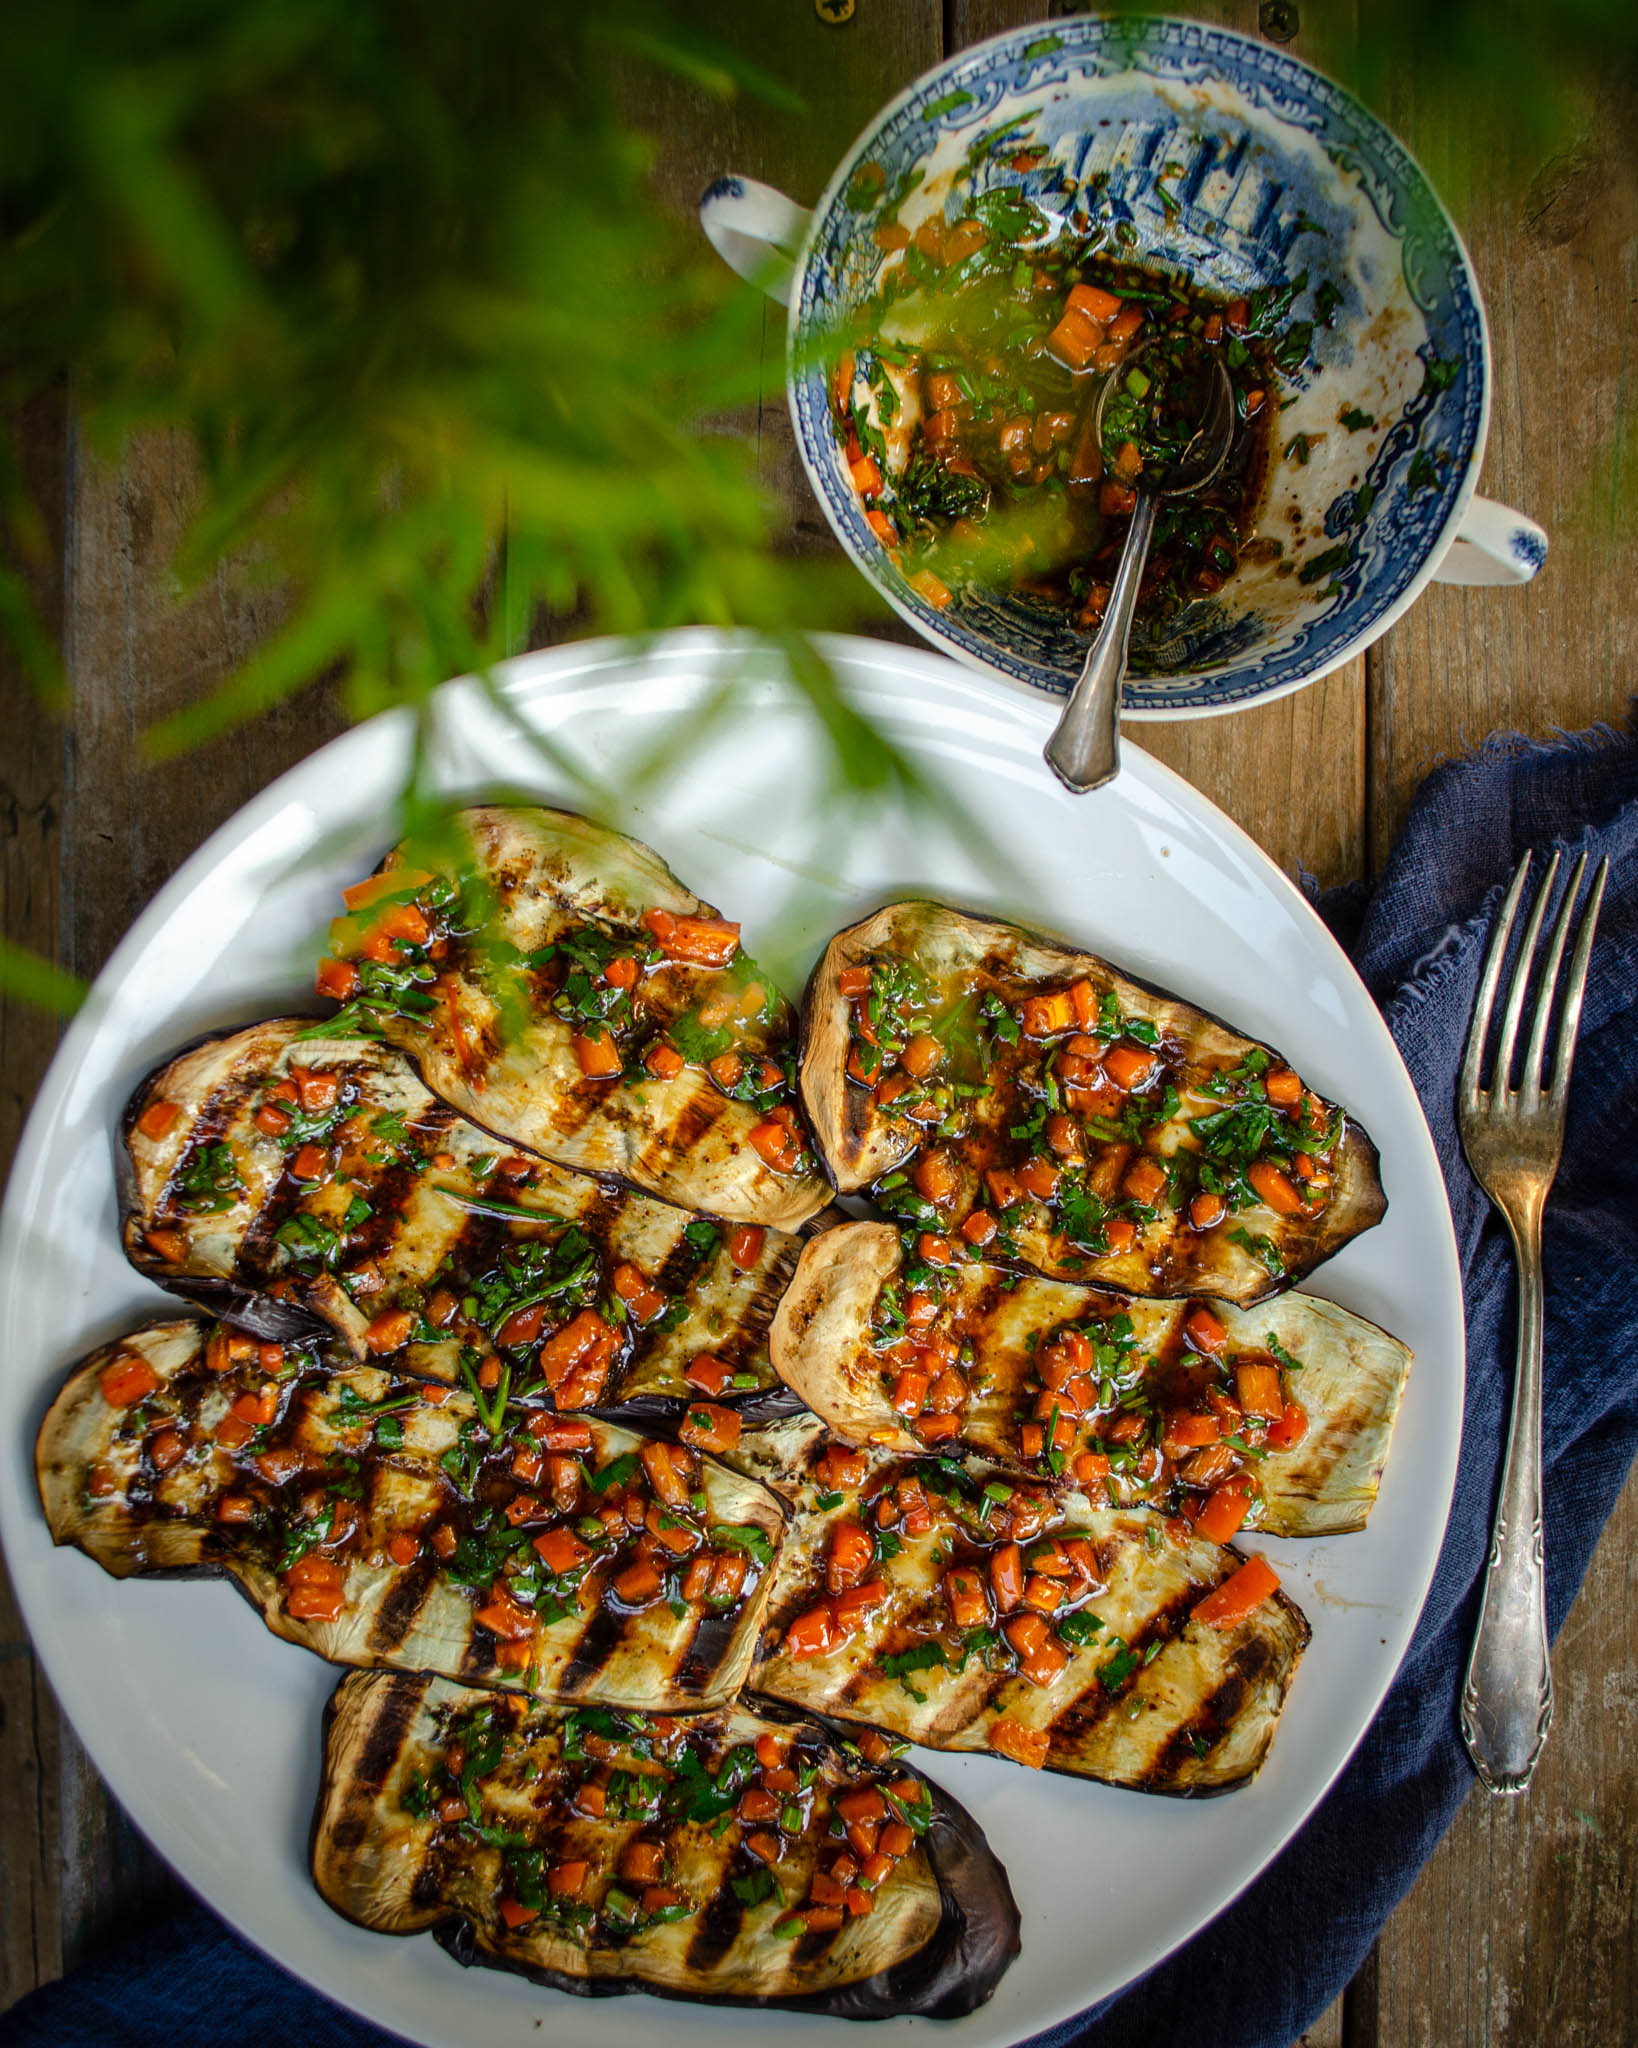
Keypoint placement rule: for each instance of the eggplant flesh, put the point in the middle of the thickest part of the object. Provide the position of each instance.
(379, 1522)
(839, 1328)
(498, 1042)
(1144, 1695)
(407, 1207)
(1106, 1096)
(941, 1930)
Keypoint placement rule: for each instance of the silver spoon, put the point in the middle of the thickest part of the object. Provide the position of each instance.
(1084, 750)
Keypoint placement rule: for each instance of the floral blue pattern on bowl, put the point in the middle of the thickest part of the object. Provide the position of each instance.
(1231, 161)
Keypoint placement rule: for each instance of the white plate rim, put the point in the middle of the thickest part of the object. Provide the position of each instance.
(544, 670)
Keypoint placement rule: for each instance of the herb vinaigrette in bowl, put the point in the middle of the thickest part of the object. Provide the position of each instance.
(968, 407)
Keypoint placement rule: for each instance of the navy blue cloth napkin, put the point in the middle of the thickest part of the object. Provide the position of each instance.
(1278, 1955)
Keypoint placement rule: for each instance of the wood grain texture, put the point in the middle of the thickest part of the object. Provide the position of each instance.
(1555, 246)
(31, 802)
(91, 830)
(1522, 1928)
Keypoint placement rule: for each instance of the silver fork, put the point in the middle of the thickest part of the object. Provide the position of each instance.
(1513, 1138)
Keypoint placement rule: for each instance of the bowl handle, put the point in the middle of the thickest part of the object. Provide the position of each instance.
(1493, 544)
(756, 231)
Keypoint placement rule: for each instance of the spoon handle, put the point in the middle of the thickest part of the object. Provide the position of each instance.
(1084, 750)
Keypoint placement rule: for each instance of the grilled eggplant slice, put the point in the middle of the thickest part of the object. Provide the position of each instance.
(604, 1853)
(289, 1181)
(562, 988)
(1009, 1095)
(960, 1609)
(381, 1522)
(1276, 1417)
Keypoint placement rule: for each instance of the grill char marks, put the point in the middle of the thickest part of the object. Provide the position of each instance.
(943, 1930)
(696, 1118)
(1230, 1684)
(550, 871)
(342, 1274)
(598, 1642)
(956, 953)
(398, 1613)
(318, 1482)
(716, 1931)
(1348, 1378)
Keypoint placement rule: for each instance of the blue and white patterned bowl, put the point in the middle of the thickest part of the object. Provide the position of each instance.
(1238, 165)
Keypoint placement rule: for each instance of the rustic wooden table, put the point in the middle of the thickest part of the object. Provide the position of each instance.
(1523, 1929)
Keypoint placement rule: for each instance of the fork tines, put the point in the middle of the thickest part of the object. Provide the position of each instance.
(1534, 1082)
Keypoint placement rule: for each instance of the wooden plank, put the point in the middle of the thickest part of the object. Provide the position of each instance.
(1555, 245)
(843, 75)
(1522, 1929)
(31, 769)
(77, 1870)
(1524, 1926)
(1257, 765)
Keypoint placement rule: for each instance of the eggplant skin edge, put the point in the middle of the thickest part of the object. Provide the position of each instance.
(977, 1939)
(1356, 1139)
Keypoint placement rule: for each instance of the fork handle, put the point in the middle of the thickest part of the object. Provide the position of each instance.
(1507, 1697)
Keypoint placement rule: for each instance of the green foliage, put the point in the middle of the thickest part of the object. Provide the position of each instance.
(396, 271)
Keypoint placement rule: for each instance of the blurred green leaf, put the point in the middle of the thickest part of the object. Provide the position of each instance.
(28, 978)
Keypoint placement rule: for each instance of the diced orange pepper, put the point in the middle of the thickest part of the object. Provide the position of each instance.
(707, 1375)
(1039, 1177)
(701, 941)
(403, 1548)
(1224, 1510)
(1204, 1330)
(1076, 338)
(585, 1344)
(1240, 1595)
(158, 1118)
(937, 593)
(812, 1634)
(1258, 1390)
(314, 1590)
(909, 1392)
(669, 1471)
(503, 1617)
(1290, 1429)
(1024, 1745)
(317, 1088)
(599, 1057)
(936, 1177)
(709, 1427)
(851, 1606)
(567, 1880)
(389, 1331)
(921, 1055)
(1007, 1576)
(1189, 1433)
(513, 1911)
(1206, 1211)
(561, 1432)
(127, 1379)
(337, 979)
(560, 1550)
(1274, 1189)
(638, 1584)
(848, 1556)
(664, 1061)
(969, 1602)
(745, 1242)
